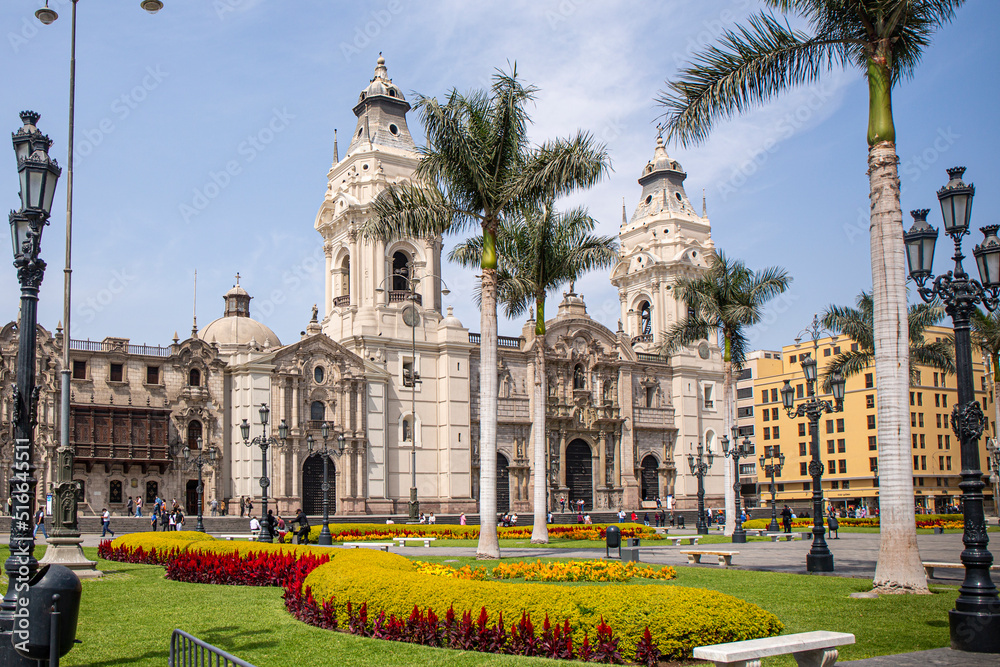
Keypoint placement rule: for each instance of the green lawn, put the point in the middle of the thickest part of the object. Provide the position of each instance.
(127, 617)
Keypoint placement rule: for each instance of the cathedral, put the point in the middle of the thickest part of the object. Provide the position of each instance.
(387, 378)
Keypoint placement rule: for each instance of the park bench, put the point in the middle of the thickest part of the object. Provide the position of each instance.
(250, 537)
(403, 540)
(725, 557)
(930, 567)
(810, 649)
(384, 546)
(692, 540)
(777, 536)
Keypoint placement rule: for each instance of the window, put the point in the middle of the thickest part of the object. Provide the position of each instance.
(800, 391)
(869, 380)
(847, 483)
(836, 349)
(840, 425)
(829, 426)
(920, 398)
(767, 432)
(913, 419)
(941, 462)
(768, 451)
(802, 449)
(709, 400)
(774, 395)
(923, 463)
(745, 374)
(767, 415)
(406, 430)
(935, 379)
(841, 446)
(744, 392)
(920, 419)
(916, 463)
(914, 437)
(854, 347)
(831, 467)
(646, 319)
(115, 491)
(116, 374)
(79, 370)
(774, 431)
(923, 441)
(791, 359)
(937, 400)
(152, 375)
(400, 272)
(940, 441)
(830, 447)
(763, 395)
(872, 463)
(872, 443)
(194, 378)
(917, 378)
(317, 411)
(194, 434)
(871, 422)
(803, 468)
(938, 419)
(744, 412)
(802, 429)
(843, 466)
(944, 400)
(835, 484)
(318, 374)
(948, 461)
(912, 397)
(947, 441)
(774, 414)
(870, 401)
(826, 352)
(152, 490)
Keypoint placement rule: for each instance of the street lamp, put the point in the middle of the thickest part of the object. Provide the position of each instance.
(699, 468)
(411, 378)
(975, 620)
(739, 450)
(772, 465)
(38, 174)
(325, 539)
(819, 559)
(200, 461)
(264, 441)
(994, 457)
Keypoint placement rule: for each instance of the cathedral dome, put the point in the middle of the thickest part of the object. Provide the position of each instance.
(236, 327)
(381, 84)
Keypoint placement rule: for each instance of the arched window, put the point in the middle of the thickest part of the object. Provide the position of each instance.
(406, 430)
(645, 318)
(345, 277)
(115, 491)
(317, 411)
(194, 433)
(194, 378)
(400, 272)
(579, 379)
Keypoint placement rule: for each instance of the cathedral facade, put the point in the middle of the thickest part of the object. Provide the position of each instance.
(387, 378)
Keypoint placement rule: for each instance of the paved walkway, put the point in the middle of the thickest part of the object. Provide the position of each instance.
(938, 657)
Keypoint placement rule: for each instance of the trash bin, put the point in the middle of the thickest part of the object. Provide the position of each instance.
(632, 541)
(50, 580)
(612, 540)
(680, 521)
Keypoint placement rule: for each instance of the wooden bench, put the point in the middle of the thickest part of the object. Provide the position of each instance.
(725, 557)
(384, 546)
(251, 537)
(930, 567)
(403, 540)
(692, 540)
(810, 649)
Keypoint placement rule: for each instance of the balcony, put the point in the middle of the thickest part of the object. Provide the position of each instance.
(402, 296)
(342, 301)
(642, 338)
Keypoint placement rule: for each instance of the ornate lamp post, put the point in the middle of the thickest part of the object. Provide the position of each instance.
(699, 468)
(975, 620)
(994, 456)
(38, 176)
(325, 539)
(771, 465)
(819, 559)
(264, 441)
(739, 451)
(199, 462)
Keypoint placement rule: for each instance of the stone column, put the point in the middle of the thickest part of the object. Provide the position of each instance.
(328, 282)
(562, 457)
(602, 447)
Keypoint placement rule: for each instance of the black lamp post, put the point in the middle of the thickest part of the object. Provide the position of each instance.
(38, 175)
(325, 539)
(819, 559)
(771, 465)
(264, 441)
(699, 468)
(739, 451)
(993, 451)
(199, 462)
(975, 620)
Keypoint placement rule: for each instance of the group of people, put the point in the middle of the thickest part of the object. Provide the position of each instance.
(246, 506)
(165, 518)
(577, 505)
(428, 518)
(277, 526)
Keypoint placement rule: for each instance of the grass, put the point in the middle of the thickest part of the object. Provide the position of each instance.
(127, 618)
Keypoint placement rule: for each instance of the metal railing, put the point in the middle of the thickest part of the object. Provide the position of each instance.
(646, 356)
(511, 342)
(109, 346)
(189, 651)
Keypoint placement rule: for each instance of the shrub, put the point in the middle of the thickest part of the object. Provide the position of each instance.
(360, 532)
(678, 618)
(923, 521)
(586, 570)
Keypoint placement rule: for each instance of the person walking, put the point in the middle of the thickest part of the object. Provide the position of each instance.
(39, 523)
(138, 505)
(129, 507)
(786, 519)
(272, 523)
(243, 506)
(303, 521)
(154, 520)
(164, 521)
(249, 506)
(172, 521)
(461, 519)
(215, 507)
(106, 523)
(178, 520)
(562, 503)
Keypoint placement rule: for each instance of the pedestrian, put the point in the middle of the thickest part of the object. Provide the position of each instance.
(586, 520)
(645, 519)
(174, 505)
(243, 506)
(659, 504)
(513, 519)
(834, 525)
(272, 523)
(548, 517)
(461, 519)
(138, 505)
(154, 520)
(621, 516)
(708, 516)
(254, 526)
(40, 523)
(106, 523)
(786, 519)
(172, 521)
(249, 506)
(129, 506)
(582, 504)
(562, 504)
(303, 521)
(179, 520)
(431, 520)
(164, 521)
(579, 517)
(656, 519)
(634, 517)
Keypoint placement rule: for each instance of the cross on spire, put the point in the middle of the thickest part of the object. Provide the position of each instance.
(659, 130)
(237, 279)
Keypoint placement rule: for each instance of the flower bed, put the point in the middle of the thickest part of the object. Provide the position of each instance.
(923, 521)
(606, 623)
(586, 570)
(377, 532)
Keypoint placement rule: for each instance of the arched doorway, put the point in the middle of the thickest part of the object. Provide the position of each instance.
(503, 484)
(580, 473)
(312, 485)
(650, 482)
(191, 497)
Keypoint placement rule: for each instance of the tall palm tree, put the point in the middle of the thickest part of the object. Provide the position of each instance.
(538, 254)
(858, 324)
(476, 171)
(725, 301)
(753, 63)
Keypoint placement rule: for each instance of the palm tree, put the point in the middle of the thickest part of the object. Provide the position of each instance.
(751, 64)
(478, 170)
(858, 324)
(538, 254)
(725, 301)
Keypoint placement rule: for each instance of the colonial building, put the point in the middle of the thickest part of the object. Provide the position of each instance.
(395, 376)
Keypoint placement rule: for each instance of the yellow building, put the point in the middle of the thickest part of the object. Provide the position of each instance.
(849, 439)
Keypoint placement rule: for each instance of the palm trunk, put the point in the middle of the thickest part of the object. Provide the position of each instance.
(540, 531)
(729, 402)
(899, 568)
(489, 545)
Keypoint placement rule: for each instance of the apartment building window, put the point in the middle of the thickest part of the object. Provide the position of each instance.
(802, 428)
(774, 395)
(914, 437)
(766, 414)
(872, 463)
(744, 412)
(913, 419)
(923, 442)
(869, 380)
(802, 449)
(916, 463)
(917, 378)
(79, 369)
(854, 347)
(831, 466)
(836, 349)
(948, 461)
(774, 414)
(937, 400)
(763, 395)
(803, 468)
(847, 483)
(116, 373)
(841, 446)
(944, 400)
(791, 359)
(774, 432)
(944, 380)
(767, 432)
(871, 422)
(843, 466)
(941, 462)
(872, 443)
(923, 463)
(920, 398)
(920, 419)
(152, 375)
(935, 379)
(826, 352)
(940, 441)
(947, 441)
(938, 420)
(800, 391)
(840, 426)
(870, 401)
(830, 447)
(829, 426)
(835, 484)
(912, 399)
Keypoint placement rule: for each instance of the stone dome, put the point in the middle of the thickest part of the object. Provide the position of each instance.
(381, 84)
(236, 327)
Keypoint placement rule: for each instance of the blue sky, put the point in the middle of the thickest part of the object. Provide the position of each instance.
(166, 103)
